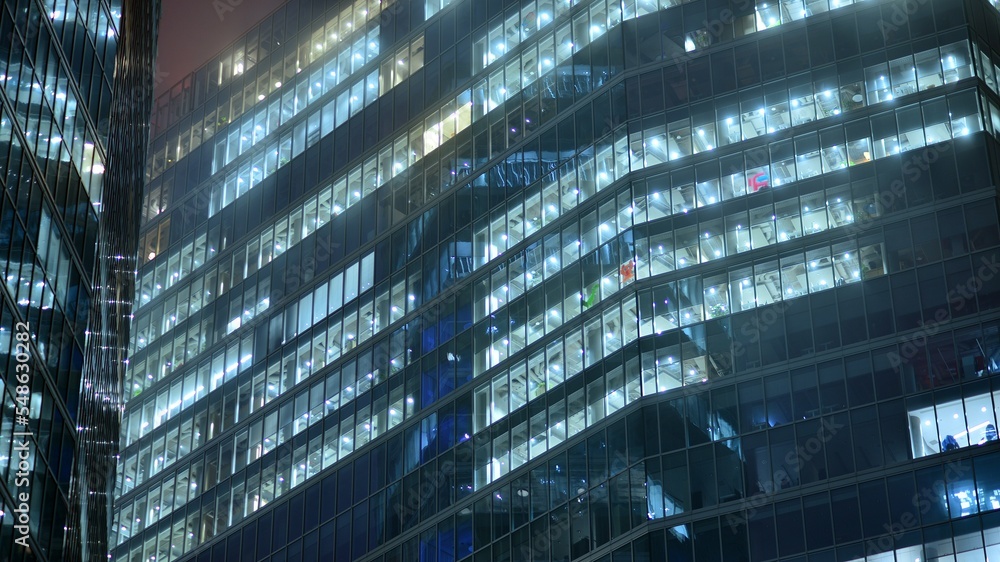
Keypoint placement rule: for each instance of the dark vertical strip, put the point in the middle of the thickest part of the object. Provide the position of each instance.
(101, 394)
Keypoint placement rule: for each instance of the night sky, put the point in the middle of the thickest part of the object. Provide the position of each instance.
(192, 31)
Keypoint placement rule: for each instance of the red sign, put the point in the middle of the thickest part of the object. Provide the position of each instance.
(627, 271)
(759, 181)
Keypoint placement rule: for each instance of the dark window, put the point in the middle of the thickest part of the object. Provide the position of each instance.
(752, 413)
(874, 511)
(846, 518)
(805, 393)
(824, 320)
(810, 450)
(930, 496)
(723, 72)
(706, 543)
(264, 535)
(759, 478)
(703, 477)
(724, 407)
(981, 223)
(952, 232)
(779, 399)
(906, 300)
(870, 29)
(845, 37)
(280, 535)
(987, 470)
(788, 518)
(926, 241)
(796, 53)
(772, 334)
(895, 432)
(867, 443)
(784, 458)
(798, 327)
(859, 379)
(879, 307)
(345, 487)
(958, 272)
(818, 522)
(747, 66)
(985, 265)
(671, 416)
(853, 323)
(295, 508)
(699, 79)
(933, 293)
(821, 43)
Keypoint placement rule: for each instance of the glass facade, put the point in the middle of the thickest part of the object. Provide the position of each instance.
(73, 129)
(572, 280)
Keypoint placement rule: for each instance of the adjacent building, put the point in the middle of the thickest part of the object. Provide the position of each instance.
(623, 281)
(75, 97)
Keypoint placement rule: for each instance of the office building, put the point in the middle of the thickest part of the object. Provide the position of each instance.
(75, 97)
(549, 280)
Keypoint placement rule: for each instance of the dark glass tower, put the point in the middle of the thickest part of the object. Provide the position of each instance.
(597, 280)
(75, 100)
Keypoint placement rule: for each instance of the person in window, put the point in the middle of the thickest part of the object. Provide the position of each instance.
(990, 433)
(949, 443)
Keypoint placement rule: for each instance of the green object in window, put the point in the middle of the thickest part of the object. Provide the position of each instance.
(591, 299)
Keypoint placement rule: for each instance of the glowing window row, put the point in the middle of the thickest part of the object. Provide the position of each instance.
(907, 128)
(276, 427)
(617, 326)
(508, 324)
(989, 71)
(560, 360)
(261, 438)
(179, 264)
(662, 252)
(454, 116)
(317, 46)
(520, 26)
(759, 228)
(264, 163)
(320, 123)
(254, 127)
(51, 127)
(326, 299)
(489, 93)
(50, 250)
(947, 420)
(821, 283)
(621, 259)
(258, 252)
(712, 297)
